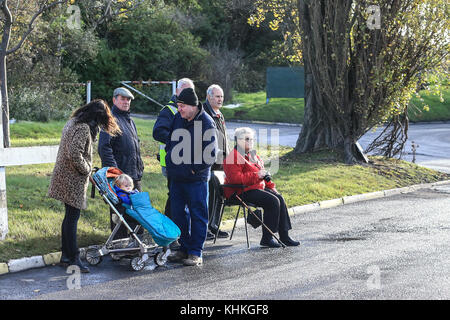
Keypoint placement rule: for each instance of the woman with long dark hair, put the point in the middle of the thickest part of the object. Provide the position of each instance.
(73, 166)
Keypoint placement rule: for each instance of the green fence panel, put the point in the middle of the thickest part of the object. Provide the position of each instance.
(285, 82)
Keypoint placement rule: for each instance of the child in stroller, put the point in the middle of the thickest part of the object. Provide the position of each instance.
(113, 185)
(123, 186)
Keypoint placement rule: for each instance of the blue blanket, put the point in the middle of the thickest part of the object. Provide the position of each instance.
(163, 230)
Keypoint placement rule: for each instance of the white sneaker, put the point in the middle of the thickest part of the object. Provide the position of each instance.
(193, 260)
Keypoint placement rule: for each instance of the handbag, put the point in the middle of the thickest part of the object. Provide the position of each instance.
(252, 220)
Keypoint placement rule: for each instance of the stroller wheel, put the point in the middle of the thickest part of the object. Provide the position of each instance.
(161, 258)
(137, 264)
(93, 256)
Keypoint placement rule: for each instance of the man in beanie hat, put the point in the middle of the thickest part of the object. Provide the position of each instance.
(161, 133)
(191, 151)
(161, 130)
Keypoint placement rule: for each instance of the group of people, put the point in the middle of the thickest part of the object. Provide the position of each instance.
(193, 142)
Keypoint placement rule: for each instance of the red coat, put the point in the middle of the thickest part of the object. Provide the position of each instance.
(241, 170)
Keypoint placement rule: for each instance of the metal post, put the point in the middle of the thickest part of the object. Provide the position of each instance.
(174, 87)
(414, 147)
(88, 91)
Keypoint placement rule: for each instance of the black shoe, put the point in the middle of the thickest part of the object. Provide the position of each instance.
(210, 236)
(222, 234)
(64, 261)
(289, 242)
(177, 256)
(270, 243)
(77, 262)
(174, 245)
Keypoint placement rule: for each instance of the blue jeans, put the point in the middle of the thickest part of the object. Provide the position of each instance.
(193, 223)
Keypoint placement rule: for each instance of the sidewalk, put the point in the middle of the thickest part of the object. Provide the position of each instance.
(16, 265)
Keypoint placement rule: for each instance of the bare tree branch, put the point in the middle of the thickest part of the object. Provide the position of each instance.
(30, 24)
(109, 13)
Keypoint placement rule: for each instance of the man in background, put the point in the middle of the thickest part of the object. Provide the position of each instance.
(212, 106)
(122, 151)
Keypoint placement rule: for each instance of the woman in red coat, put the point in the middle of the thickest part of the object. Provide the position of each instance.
(243, 166)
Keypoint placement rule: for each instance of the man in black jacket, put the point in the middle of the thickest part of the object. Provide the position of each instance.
(214, 101)
(191, 151)
(122, 151)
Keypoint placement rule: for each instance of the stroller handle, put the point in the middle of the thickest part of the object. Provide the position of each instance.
(94, 185)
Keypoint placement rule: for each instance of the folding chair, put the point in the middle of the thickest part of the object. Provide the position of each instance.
(234, 200)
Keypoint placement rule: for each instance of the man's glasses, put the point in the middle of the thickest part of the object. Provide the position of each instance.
(247, 139)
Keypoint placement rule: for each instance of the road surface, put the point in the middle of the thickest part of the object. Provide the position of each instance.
(432, 139)
(390, 248)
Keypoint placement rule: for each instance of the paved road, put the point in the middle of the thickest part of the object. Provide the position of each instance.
(390, 248)
(433, 140)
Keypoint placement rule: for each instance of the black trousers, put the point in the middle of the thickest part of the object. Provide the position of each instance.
(276, 216)
(213, 203)
(123, 231)
(69, 246)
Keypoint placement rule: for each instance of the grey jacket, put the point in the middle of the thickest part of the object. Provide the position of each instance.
(221, 134)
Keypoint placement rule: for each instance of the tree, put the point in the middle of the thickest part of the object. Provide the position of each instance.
(16, 29)
(41, 77)
(8, 21)
(149, 44)
(363, 60)
(224, 32)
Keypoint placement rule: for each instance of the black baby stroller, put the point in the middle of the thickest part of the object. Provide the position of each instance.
(133, 248)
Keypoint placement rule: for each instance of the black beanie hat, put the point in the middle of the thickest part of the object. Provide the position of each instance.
(188, 96)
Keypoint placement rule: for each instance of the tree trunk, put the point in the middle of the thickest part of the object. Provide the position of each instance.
(317, 133)
(362, 61)
(5, 102)
(328, 112)
(3, 75)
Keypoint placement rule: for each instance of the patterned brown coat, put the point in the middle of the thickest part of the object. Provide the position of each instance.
(70, 178)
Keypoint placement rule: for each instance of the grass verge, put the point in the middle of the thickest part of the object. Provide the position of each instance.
(430, 107)
(425, 107)
(35, 220)
(253, 107)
